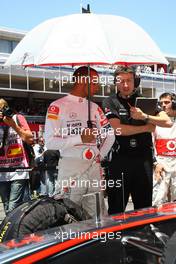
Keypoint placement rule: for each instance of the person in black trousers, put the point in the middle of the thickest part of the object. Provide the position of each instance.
(51, 159)
(131, 166)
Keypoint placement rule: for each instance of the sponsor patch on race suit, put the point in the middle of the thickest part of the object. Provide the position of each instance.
(166, 147)
(53, 112)
(88, 154)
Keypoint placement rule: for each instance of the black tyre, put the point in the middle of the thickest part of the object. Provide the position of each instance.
(38, 215)
(169, 255)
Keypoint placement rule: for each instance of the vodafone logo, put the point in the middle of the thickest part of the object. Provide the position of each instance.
(171, 145)
(88, 154)
(53, 110)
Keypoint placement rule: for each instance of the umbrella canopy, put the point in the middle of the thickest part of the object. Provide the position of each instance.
(86, 39)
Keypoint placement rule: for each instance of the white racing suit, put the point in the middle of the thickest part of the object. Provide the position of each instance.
(165, 146)
(79, 166)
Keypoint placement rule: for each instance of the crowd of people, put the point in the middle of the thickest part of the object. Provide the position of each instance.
(160, 69)
(136, 150)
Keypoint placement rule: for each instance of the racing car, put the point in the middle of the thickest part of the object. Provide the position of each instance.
(141, 236)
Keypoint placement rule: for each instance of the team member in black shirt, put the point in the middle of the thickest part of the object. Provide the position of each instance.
(132, 158)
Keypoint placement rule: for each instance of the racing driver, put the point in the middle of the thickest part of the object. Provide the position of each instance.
(81, 147)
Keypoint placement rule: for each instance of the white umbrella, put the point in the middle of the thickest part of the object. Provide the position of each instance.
(86, 39)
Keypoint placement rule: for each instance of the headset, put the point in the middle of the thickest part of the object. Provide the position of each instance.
(127, 69)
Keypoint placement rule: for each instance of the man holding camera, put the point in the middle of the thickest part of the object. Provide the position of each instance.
(165, 146)
(14, 130)
(132, 158)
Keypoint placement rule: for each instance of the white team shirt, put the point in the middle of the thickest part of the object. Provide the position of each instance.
(165, 140)
(65, 119)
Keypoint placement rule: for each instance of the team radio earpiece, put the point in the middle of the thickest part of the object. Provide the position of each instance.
(137, 80)
(173, 98)
(124, 69)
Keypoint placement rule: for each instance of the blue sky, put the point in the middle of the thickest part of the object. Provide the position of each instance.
(157, 17)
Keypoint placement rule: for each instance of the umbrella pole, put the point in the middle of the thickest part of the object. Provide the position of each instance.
(89, 123)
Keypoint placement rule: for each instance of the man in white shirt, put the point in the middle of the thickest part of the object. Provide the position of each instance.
(165, 146)
(81, 148)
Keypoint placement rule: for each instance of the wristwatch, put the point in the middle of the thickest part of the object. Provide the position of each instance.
(146, 119)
